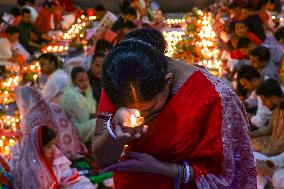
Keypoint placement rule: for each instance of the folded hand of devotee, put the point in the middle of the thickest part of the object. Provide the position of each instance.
(124, 129)
(141, 162)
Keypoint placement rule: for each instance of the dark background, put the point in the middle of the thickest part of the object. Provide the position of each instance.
(168, 6)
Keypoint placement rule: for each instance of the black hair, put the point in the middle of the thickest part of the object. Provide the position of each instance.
(15, 11)
(262, 53)
(129, 11)
(249, 73)
(262, 3)
(151, 36)
(279, 34)
(102, 46)
(249, 6)
(47, 135)
(12, 30)
(130, 25)
(234, 5)
(75, 71)
(50, 4)
(241, 22)
(98, 54)
(269, 88)
(30, 1)
(124, 5)
(21, 3)
(52, 58)
(100, 7)
(134, 71)
(243, 43)
(26, 11)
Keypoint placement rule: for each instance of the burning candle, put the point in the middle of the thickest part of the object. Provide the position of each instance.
(136, 119)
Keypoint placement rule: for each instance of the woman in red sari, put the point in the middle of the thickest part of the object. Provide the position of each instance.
(197, 129)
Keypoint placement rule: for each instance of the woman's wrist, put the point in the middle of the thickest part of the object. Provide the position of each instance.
(169, 169)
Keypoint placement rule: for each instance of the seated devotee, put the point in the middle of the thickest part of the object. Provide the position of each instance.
(261, 60)
(30, 37)
(5, 177)
(250, 79)
(11, 18)
(30, 4)
(79, 104)
(35, 111)
(265, 7)
(127, 27)
(129, 14)
(253, 21)
(10, 56)
(37, 163)
(47, 20)
(245, 46)
(94, 75)
(269, 140)
(242, 31)
(57, 78)
(137, 76)
(240, 56)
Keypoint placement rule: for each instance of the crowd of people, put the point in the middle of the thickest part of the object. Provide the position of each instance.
(198, 130)
(253, 58)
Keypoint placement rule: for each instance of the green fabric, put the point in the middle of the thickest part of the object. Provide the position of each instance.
(100, 178)
(79, 108)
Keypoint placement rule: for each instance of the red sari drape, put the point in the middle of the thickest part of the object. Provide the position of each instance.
(191, 127)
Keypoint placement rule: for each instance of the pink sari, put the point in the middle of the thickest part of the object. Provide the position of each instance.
(30, 169)
(35, 112)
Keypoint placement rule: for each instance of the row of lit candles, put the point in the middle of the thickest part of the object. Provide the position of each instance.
(172, 38)
(5, 144)
(175, 21)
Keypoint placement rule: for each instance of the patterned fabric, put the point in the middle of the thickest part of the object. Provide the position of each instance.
(79, 109)
(272, 144)
(30, 169)
(35, 112)
(208, 130)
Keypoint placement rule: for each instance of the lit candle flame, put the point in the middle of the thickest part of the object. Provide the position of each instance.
(135, 119)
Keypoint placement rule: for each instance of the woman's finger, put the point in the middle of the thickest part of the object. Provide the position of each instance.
(135, 155)
(121, 166)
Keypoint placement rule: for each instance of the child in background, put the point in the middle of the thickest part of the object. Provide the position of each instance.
(37, 163)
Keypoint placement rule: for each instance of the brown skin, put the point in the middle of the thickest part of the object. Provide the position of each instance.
(271, 102)
(47, 67)
(256, 63)
(100, 15)
(48, 150)
(82, 81)
(241, 30)
(250, 85)
(96, 66)
(13, 37)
